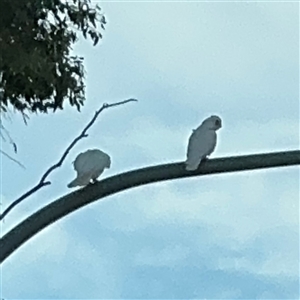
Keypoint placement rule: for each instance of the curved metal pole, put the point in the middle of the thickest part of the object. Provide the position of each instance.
(109, 186)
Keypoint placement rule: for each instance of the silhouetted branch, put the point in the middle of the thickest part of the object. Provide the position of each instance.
(4, 132)
(112, 185)
(42, 182)
(13, 159)
(11, 141)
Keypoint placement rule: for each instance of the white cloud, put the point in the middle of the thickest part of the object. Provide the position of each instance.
(237, 209)
(242, 136)
(168, 256)
(186, 61)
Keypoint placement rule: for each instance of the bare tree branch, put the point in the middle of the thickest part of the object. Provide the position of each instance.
(4, 132)
(11, 141)
(112, 185)
(42, 181)
(13, 159)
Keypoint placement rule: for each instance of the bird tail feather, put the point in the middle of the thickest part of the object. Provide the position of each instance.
(192, 165)
(79, 181)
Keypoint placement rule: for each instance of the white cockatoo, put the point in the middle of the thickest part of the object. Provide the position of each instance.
(202, 142)
(89, 165)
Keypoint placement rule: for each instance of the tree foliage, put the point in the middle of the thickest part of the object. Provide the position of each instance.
(37, 69)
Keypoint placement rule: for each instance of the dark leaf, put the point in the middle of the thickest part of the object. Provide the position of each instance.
(96, 40)
(38, 72)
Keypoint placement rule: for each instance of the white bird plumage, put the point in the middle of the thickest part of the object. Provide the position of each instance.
(202, 142)
(89, 165)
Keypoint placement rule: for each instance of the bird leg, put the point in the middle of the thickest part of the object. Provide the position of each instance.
(204, 159)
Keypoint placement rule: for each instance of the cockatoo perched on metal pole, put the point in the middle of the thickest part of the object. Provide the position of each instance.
(202, 142)
(89, 165)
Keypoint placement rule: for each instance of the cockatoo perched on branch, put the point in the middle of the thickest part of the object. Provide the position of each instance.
(202, 142)
(89, 165)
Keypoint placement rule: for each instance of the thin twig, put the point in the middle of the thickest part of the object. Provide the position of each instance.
(42, 182)
(11, 141)
(13, 159)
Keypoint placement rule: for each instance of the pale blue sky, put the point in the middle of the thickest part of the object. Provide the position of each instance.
(229, 236)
